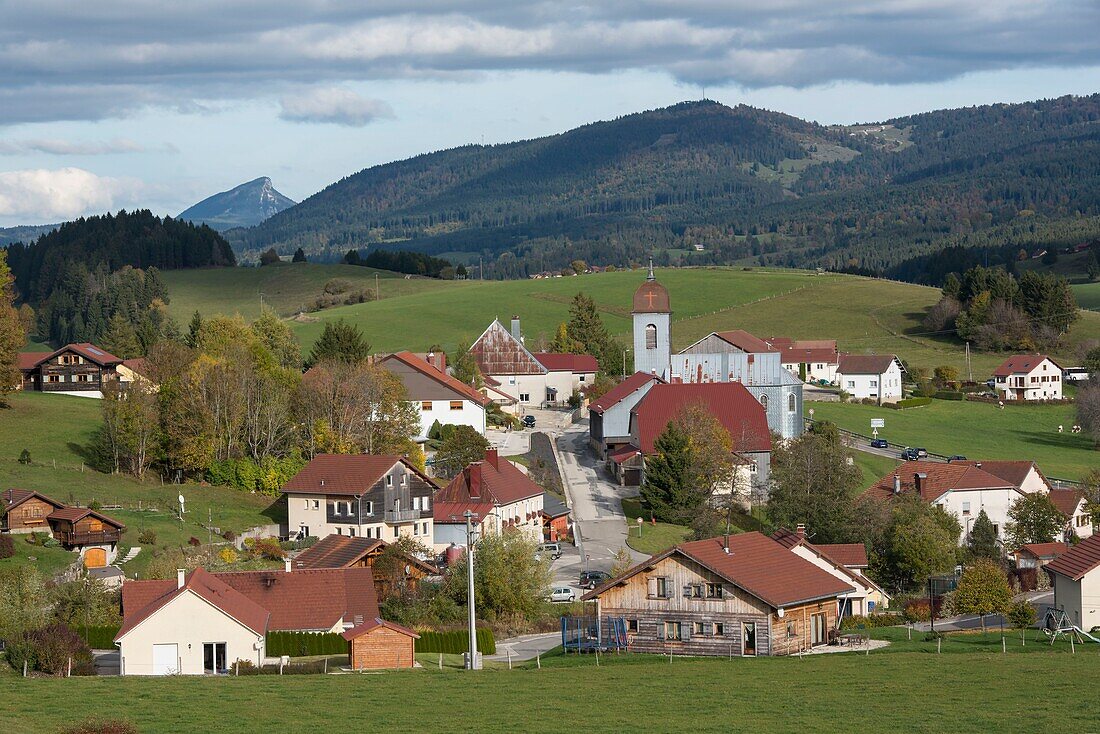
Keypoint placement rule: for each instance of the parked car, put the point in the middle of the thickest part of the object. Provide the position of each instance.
(922, 453)
(592, 579)
(956, 457)
(551, 549)
(909, 454)
(880, 443)
(529, 420)
(562, 594)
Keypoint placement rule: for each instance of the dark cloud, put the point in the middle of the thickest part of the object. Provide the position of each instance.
(78, 60)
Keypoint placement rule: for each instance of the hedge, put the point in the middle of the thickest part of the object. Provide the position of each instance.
(99, 637)
(870, 621)
(456, 641)
(910, 403)
(300, 644)
(949, 395)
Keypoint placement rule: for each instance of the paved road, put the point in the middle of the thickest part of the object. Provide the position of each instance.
(525, 647)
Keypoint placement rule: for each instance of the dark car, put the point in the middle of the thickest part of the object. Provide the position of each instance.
(529, 421)
(592, 579)
(880, 443)
(956, 457)
(909, 454)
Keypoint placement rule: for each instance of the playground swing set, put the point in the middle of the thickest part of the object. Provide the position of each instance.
(1056, 622)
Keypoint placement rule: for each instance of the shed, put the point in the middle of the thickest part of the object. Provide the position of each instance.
(378, 644)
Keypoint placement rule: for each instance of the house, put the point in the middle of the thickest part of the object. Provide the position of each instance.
(202, 622)
(1037, 555)
(874, 376)
(609, 416)
(91, 534)
(379, 644)
(342, 551)
(1075, 576)
(497, 493)
(1028, 377)
(436, 395)
(1073, 505)
(360, 495)
(626, 464)
(734, 407)
(514, 376)
(555, 519)
(80, 369)
(740, 595)
(810, 360)
(1026, 476)
(963, 489)
(845, 561)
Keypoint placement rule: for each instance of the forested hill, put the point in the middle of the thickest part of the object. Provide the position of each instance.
(701, 183)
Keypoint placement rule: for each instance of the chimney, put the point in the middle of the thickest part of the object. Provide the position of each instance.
(473, 476)
(726, 544)
(800, 529)
(516, 330)
(977, 465)
(181, 577)
(918, 480)
(287, 565)
(492, 458)
(897, 484)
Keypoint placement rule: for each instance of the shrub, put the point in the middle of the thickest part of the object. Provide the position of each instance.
(49, 649)
(917, 610)
(869, 621)
(949, 395)
(99, 636)
(338, 285)
(1021, 614)
(228, 555)
(7, 547)
(24, 457)
(456, 641)
(21, 649)
(269, 548)
(147, 537)
(194, 542)
(101, 726)
(267, 477)
(229, 535)
(912, 403)
(95, 505)
(300, 644)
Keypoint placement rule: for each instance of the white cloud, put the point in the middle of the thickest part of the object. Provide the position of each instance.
(335, 105)
(50, 195)
(51, 146)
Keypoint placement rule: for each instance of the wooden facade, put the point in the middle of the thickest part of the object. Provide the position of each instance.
(73, 368)
(383, 646)
(29, 516)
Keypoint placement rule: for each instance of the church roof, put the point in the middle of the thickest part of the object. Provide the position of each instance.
(651, 296)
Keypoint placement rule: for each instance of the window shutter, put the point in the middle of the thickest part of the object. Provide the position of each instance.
(708, 629)
(652, 586)
(660, 630)
(687, 590)
(685, 631)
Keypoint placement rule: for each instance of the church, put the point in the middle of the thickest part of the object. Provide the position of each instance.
(722, 356)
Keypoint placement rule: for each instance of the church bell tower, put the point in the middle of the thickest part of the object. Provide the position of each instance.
(652, 314)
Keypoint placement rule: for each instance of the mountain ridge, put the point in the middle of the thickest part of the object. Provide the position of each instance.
(245, 205)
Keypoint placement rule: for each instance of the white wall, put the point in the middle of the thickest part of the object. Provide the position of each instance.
(1080, 599)
(857, 597)
(1034, 386)
(814, 370)
(188, 621)
(886, 386)
(995, 502)
(471, 414)
(653, 361)
(533, 386)
(301, 511)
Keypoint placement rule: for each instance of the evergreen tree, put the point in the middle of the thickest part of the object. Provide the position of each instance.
(983, 538)
(299, 256)
(270, 257)
(668, 493)
(12, 333)
(340, 341)
(464, 367)
(564, 343)
(120, 339)
(586, 328)
(193, 330)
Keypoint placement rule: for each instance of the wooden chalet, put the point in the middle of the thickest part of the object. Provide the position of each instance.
(88, 532)
(342, 551)
(742, 595)
(74, 368)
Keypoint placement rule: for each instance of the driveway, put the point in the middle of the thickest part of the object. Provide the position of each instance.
(525, 647)
(107, 662)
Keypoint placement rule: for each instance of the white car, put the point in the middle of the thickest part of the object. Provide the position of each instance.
(563, 594)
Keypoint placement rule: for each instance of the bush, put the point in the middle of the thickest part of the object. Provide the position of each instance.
(269, 548)
(1021, 614)
(300, 644)
(99, 636)
(267, 477)
(949, 395)
(917, 610)
(24, 457)
(456, 641)
(101, 726)
(147, 537)
(911, 403)
(7, 547)
(194, 542)
(229, 535)
(49, 649)
(338, 285)
(228, 555)
(870, 621)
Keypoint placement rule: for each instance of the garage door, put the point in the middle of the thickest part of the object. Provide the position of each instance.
(165, 659)
(95, 558)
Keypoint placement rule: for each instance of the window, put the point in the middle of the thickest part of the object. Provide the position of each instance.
(512, 380)
(966, 508)
(83, 378)
(580, 379)
(213, 658)
(389, 480)
(404, 480)
(426, 405)
(53, 378)
(874, 383)
(764, 401)
(631, 625)
(368, 508)
(693, 591)
(659, 588)
(698, 628)
(456, 405)
(790, 403)
(719, 629)
(525, 397)
(753, 466)
(651, 336)
(997, 529)
(851, 383)
(672, 630)
(714, 591)
(339, 530)
(791, 633)
(347, 506)
(306, 504)
(316, 504)
(351, 532)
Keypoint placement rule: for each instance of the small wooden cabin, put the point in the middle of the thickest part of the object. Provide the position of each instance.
(378, 644)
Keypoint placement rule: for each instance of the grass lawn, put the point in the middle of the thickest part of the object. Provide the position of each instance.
(873, 467)
(978, 431)
(654, 538)
(915, 691)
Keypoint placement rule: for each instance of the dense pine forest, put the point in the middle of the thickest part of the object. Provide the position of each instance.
(701, 183)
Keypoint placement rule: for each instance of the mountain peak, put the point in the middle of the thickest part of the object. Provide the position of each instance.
(242, 206)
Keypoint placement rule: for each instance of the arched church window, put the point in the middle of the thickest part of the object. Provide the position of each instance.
(764, 401)
(790, 403)
(650, 336)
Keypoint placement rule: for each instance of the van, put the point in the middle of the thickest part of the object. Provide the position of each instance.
(550, 549)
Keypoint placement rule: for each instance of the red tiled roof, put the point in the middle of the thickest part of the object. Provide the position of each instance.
(623, 453)
(622, 390)
(576, 363)
(450, 513)
(74, 514)
(651, 297)
(207, 586)
(864, 364)
(730, 402)
(494, 480)
(11, 497)
(421, 366)
(1044, 550)
(341, 551)
(745, 341)
(374, 624)
(939, 479)
(1014, 472)
(26, 361)
(1078, 560)
(344, 474)
(849, 555)
(309, 599)
(1066, 500)
(808, 350)
(755, 563)
(1022, 363)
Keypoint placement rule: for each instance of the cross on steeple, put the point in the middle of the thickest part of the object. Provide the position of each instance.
(649, 297)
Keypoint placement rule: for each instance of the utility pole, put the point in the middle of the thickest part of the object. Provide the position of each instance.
(377, 293)
(471, 662)
(970, 371)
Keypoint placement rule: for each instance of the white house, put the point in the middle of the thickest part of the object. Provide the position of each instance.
(1028, 377)
(497, 493)
(962, 489)
(1072, 504)
(1075, 576)
(876, 376)
(567, 374)
(436, 395)
(360, 495)
(845, 561)
(810, 360)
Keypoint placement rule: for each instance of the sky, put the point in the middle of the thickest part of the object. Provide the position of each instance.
(157, 104)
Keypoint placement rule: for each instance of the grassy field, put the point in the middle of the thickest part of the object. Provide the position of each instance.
(1088, 295)
(56, 429)
(907, 688)
(286, 287)
(873, 466)
(978, 431)
(864, 315)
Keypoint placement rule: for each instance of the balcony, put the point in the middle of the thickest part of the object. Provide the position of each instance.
(105, 537)
(395, 516)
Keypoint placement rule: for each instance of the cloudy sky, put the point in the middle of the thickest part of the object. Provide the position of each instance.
(158, 104)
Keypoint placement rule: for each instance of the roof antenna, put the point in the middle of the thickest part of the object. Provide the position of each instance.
(650, 276)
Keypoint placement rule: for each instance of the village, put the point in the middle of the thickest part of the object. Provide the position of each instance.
(559, 477)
